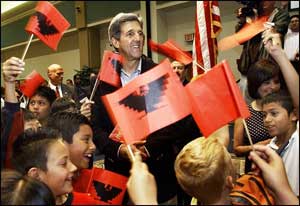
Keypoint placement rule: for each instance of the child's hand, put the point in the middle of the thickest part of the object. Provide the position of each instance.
(272, 43)
(12, 68)
(86, 107)
(141, 185)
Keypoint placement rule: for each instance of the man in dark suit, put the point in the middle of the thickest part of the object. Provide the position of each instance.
(181, 71)
(126, 36)
(56, 75)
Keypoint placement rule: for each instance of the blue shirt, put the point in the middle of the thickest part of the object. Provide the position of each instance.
(126, 78)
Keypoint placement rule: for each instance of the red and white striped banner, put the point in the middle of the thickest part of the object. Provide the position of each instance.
(207, 28)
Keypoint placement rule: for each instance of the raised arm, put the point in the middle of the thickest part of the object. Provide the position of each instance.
(290, 75)
(11, 69)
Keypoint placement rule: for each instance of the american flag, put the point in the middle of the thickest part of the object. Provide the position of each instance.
(207, 28)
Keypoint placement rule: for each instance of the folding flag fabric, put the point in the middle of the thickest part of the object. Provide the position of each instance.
(116, 135)
(150, 102)
(243, 35)
(83, 199)
(110, 67)
(170, 49)
(216, 99)
(31, 83)
(48, 24)
(207, 28)
(103, 185)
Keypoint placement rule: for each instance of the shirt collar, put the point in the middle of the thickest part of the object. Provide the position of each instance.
(137, 70)
(52, 86)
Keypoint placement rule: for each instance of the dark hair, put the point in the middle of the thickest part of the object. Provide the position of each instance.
(75, 76)
(282, 98)
(114, 28)
(293, 16)
(67, 123)
(33, 143)
(28, 115)
(62, 104)
(18, 189)
(259, 72)
(46, 92)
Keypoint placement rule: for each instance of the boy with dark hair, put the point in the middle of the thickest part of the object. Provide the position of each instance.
(50, 164)
(40, 103)
(281, 112)
(280, 119)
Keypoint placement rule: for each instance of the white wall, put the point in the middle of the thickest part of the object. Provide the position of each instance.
(69, 60)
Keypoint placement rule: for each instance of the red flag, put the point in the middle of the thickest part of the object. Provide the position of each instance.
(216, 99)
(116, 135)
(84, 199)
(111, 64)
(172, 50)
(243, 35)
(48, 24)
(207, 28)
(31, 83)
(150, 102)
(103, 185)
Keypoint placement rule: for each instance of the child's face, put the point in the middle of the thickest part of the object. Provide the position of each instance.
(277, 120)
(39, 106)
(60, 171)
(82, 148)
(269, 86)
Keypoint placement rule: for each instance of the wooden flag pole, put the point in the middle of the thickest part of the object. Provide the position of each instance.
(94, 89)
(131, 153)
(205, 70)
(27, 46)
(248, 134)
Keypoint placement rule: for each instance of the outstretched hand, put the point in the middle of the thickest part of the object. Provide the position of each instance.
(12, 68)
(270, 164)
(141, 185)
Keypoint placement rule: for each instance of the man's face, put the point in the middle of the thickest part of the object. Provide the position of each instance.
(131, 40)
(56, 76)
(294, 24)
(179, 69)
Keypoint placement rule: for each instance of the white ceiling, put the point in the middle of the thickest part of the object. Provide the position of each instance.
(7, 5)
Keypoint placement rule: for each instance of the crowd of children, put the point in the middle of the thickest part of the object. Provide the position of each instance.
(48, 148)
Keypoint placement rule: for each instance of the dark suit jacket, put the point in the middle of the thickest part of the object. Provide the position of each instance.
(67, 91)
(160, 144)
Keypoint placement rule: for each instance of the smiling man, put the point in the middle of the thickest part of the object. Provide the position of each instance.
(126, 35)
